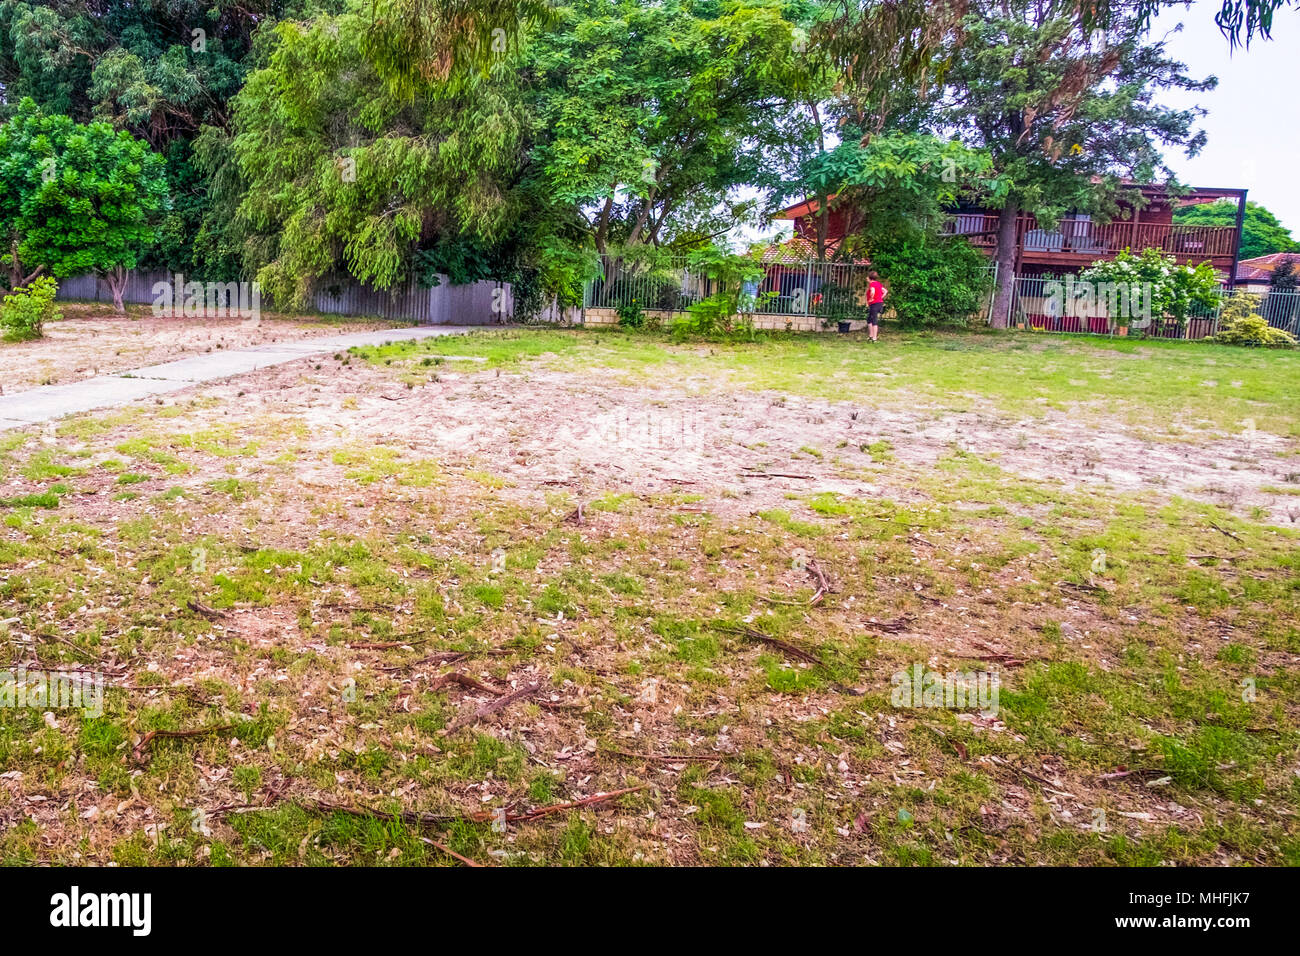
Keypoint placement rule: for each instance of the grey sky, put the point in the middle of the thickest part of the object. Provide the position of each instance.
(1254, 134)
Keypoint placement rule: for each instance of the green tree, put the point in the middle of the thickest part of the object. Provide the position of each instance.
(341, 171)
(931, 279)
(1066, 113)
(78, 199)
(1261, 232)
(895, 183)
(648, 118)
(160, 69)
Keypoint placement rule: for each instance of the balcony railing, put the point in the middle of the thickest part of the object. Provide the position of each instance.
(1083, 237)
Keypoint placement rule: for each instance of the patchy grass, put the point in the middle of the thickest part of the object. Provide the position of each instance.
(1152, 382)
(299, 578)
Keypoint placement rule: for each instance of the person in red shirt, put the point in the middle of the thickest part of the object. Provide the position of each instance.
(876, 293)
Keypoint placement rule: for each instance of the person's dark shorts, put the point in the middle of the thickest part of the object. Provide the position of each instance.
(873, 312)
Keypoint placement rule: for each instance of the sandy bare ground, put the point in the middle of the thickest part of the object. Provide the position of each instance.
(92, 340)
(544, 429)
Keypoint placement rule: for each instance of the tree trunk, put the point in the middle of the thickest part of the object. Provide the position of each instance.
(116, 279)
(1005, 257)
(16, 277)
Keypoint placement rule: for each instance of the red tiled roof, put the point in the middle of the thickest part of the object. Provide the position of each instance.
(798, 250)
(1271, 261)
(1249, 273)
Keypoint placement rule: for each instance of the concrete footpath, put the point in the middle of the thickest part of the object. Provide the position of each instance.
(49, 402)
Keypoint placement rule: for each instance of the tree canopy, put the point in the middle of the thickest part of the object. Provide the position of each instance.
(1261, 232)
(392, 140)
(78, 198)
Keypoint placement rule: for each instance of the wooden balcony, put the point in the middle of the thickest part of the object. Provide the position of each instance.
(1075, 243)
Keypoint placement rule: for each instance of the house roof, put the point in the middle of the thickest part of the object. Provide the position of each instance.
(798, 250)
(1195, 196)
(1249, 273)
(1271, 261)
(800, 209)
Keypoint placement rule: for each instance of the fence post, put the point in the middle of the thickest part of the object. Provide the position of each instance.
(807, 289)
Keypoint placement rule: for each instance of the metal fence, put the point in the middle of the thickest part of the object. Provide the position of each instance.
(829, 290)
(1037, 304)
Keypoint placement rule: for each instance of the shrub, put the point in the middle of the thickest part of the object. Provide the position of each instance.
(630, 314)
(720, 313)
(24, 312)
(1175, 290)
(932, 280)
(1241, 324)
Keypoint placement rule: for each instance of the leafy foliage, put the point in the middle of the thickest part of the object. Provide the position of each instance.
(1175, 289)
(78, 198)
(896, 182)
(1240, 323)
(647, 117)
(1261, 232)
(719, 313)
(25, 310)
(342, 173)
(931, 280)
(1067, 113)
(160, 69)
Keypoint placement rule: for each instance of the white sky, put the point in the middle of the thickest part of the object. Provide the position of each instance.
(1253, 128)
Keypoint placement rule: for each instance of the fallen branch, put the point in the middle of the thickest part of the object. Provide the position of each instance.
(995, 656)
(384, 645)
(412, 818)
(491, 707)
(790, 649)
(1152, 772)
(561, 807)
(450, 852)
(774, 474)
(464, 680)
(892, 627)
(448, 657)
(1021, 770)
(1224, 531)
(442, 657)
(1086, 588)
(1007, 660)
(823, 583)
(137, 752)
(211, 613)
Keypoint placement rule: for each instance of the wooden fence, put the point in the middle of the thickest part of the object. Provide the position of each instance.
(478, 303)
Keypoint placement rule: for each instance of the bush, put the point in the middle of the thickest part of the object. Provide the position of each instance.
(720, 313)
(932, 280)
(1241, 324)
(1175, 290)
(630, 314)
(24, 312)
